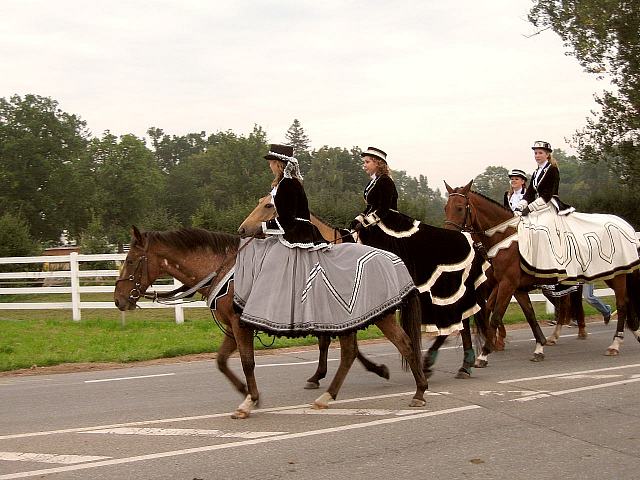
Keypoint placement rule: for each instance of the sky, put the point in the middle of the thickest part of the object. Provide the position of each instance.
(446, 88)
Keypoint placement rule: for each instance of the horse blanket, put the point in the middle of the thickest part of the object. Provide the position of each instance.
(576, 247)
(444, 266)
(297, 292)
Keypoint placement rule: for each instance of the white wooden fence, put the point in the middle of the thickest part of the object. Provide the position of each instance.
(74, 273)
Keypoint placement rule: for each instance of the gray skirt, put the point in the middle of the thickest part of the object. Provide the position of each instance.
(295, 291)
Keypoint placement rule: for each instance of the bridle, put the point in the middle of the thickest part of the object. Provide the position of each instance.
(466, 225)
(143, 269)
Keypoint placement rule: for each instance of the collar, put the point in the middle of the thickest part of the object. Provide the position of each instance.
(544, 165)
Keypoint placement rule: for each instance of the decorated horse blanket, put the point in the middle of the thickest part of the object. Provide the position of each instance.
(444, 266)
(576, 247)
(297, 292)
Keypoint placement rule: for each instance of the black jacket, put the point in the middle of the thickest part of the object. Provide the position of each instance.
(293, 221)
(547, 186)
(382, 199)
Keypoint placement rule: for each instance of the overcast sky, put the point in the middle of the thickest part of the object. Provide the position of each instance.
(447, 88)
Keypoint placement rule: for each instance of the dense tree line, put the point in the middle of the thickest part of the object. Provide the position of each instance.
(55, 176)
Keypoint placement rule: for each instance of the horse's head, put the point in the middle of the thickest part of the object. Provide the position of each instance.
(457, 211)
(264, 211)
(136, 273)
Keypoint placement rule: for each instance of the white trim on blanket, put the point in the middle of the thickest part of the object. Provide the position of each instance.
(501, 227)
(506, 243)
(403, 234)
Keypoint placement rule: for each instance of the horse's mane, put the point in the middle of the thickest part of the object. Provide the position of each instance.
(491, 200)
(187, 239)
(323, 221)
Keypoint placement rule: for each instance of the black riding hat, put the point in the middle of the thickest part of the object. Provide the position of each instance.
(375, 152)
(284, 153)
(543, 145)
(516, 172)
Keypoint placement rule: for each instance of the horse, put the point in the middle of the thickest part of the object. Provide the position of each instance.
(265, 210)
(191, 255)
(496, 227)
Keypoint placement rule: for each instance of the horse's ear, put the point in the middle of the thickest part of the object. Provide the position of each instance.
(135, 234)
(449, 189)
(467, 187)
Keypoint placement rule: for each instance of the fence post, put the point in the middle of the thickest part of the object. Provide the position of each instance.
(178, 308)
(550, 307)
(75, 286)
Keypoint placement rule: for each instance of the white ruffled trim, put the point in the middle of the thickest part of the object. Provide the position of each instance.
(464, 265)
(273, 231)
(506, 243)
(403, 234)
(501, 227)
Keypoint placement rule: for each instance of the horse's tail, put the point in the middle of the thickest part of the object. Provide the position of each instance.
(411, 321)
(575, 305)
(633, 300)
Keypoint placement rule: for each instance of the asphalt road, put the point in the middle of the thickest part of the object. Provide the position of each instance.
(573, 416)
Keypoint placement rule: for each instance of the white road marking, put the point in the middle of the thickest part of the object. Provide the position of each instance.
(204, 417)
(242, 443)
(555, 375)
(189, 432)
(536, 396)
(363, 412)
(128, 378)
(48, 458)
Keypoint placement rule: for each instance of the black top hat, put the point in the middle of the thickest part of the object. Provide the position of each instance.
(283, 153)
(516, 172)
(543, 145)
(375, 152)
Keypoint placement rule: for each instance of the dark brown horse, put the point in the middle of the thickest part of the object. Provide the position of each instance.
(265, 210)
(496, 227)
(190, 255)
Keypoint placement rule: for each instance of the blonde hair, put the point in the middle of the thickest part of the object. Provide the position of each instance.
(382, 167)
(278, 176)
(552, 160)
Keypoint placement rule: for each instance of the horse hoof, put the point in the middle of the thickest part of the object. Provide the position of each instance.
(551, 341)
(240, 414)
(319, 406)
(463, 374)
(582, 335)
(499, 347)
(312, 385)
(481, 363)
(385, 372)
(612, 352)
(537, 357)
(417, 402)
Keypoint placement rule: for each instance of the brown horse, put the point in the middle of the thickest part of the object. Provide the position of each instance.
(190, 255)
(495, 226)
(265, 210)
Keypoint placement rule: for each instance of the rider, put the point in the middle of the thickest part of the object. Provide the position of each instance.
(517, 188)
(295, 283)
(545, 182)
(383, 223)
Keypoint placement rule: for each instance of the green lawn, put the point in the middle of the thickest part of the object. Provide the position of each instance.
(50, 337)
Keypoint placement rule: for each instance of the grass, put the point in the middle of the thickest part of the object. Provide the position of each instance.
(50, 337)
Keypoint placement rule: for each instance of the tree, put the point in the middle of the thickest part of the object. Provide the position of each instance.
(129, 183)
(493, 182)
(604, 36)
(42, 174)
(297, 138)
(15, 238)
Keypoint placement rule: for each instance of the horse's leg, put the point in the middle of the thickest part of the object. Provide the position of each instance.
(501, 332)
(619, 286)
(469, 358)
(431, 355)
(577, 312)
(379, 369)
(313, 382)
(348, 349)
(559, 318)
(224, 352)
(401, 340)
(244, 340)
(525, 303)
